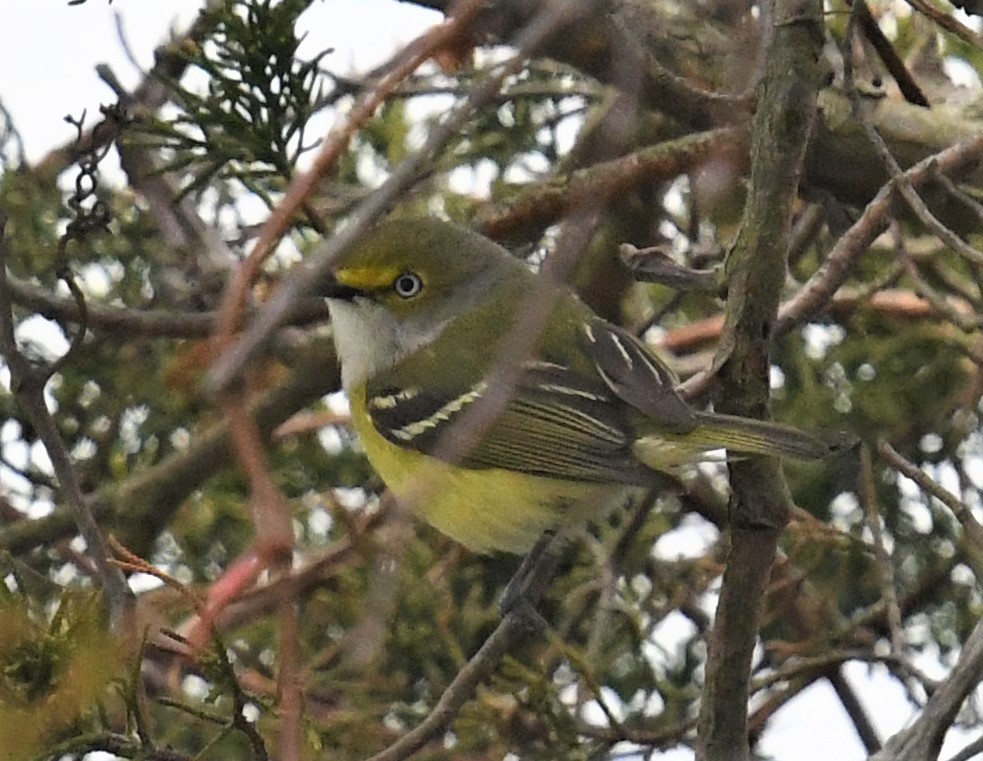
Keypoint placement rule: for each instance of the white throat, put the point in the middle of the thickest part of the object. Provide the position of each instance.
(370, 340)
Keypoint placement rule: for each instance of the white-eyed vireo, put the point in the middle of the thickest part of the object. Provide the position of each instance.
(425, 315)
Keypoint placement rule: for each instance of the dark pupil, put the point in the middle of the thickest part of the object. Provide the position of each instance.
(407, 285)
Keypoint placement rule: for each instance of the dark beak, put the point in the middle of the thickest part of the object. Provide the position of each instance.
(332, 289)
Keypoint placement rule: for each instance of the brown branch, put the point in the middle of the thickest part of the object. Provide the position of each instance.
(141, 506)
(27, 383)
(972, 528)
(813, 297)
(756, 268)
(544, 204)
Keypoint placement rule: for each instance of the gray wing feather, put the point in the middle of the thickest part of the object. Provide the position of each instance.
(637, 376)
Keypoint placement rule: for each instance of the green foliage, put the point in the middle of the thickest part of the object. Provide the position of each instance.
(55, 666)
(250, 125)
(33, 208)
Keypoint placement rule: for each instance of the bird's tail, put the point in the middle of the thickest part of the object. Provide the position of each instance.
(740, 437)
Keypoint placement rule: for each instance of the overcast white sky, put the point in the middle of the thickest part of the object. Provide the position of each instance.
(48, 52)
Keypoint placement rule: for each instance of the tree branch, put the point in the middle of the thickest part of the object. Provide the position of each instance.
(756, 271)
(27, 382)
(923, 738)
(143, 504)
(618, 36)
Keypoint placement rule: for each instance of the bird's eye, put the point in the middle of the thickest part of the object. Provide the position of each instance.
(408, 285)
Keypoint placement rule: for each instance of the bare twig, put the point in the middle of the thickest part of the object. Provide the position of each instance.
(814, 296)
(27, 383)
(942, 305)
(868, 498)
(971, 751)
(899, 178)
(855, 710)
(947, 22)
(513, 627)
(957, 192)
(124, 322)
(972, 528)
(922, 739)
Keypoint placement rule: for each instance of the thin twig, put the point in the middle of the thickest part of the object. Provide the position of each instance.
(815, 295)
(885, 569)
(971, 751)
(922, 739)
(972, 528)
(899, 178)
(947, 22)
(855, 710)
(940, 303)
(27, 382)
(513, 627)
(125, 322)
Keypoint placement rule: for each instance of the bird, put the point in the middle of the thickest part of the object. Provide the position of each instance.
(495, 403)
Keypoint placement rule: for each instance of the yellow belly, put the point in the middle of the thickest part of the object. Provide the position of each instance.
(483, 509)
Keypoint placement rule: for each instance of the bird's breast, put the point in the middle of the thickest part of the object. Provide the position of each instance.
(485, 509)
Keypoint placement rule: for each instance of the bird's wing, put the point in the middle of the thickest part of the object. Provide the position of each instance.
(556, 422)
(635, 375)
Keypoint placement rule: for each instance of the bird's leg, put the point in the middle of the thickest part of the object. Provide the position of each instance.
(531, 579)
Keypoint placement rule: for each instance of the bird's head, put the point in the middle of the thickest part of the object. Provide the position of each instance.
(399, 287)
